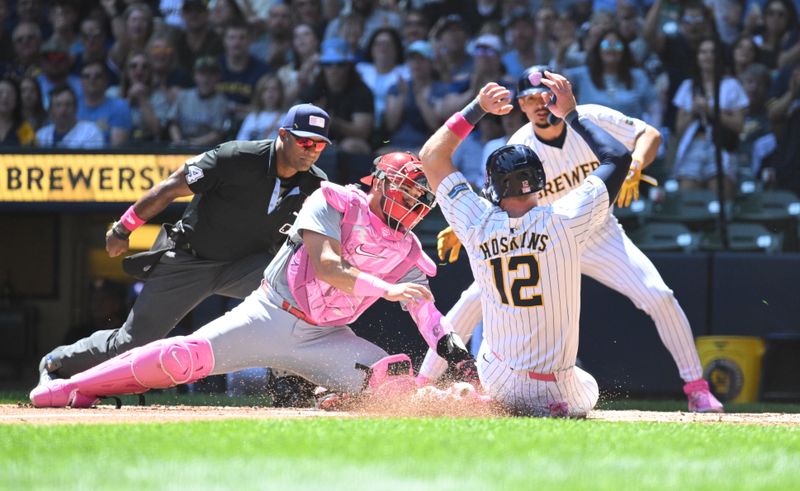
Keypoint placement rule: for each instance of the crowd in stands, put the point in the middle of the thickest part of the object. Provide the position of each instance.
(190, 73)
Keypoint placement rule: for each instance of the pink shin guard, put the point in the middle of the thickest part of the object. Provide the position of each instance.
(158, 365)
(392, 376)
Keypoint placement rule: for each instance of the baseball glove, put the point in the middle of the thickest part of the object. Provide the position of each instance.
(447, 241)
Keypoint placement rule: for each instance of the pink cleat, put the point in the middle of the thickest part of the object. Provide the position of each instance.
(59, 393)
(701, 400)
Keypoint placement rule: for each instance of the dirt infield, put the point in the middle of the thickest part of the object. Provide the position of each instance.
(108, 414)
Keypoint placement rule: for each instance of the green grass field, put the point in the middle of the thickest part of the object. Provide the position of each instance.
(400, 454)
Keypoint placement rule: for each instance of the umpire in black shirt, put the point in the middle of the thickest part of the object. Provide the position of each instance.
(246, 195)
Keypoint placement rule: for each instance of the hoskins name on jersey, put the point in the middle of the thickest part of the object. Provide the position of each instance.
(502, 245)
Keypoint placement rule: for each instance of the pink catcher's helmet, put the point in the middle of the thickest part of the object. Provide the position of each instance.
(407, 196)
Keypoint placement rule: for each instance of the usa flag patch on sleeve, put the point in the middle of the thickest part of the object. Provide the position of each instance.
(461, 186)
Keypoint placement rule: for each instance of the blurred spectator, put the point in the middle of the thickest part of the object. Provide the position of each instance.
(566, 45)
(268, 104)
(486, 11)
(168, 75)
(743, 53)
(520, 34)
(32, 11)
(755, 80)
(149, 108)
(728, 18)
(63, 16)
(94, 40)
(14, 130)
(675, 48)
(309, 12)
(450, 46)
(222, 13)
(33, 110)
(199, 116)
(609, 78)
(351, 28)
(783, 166)
(275, 44)
(383, 69)
(544, 20)
(629, 24)
(138, 27)
(411, 115)
(65, 131)
(695, 162)
(106, 309)
(111, 114)
(486, 51)
(27, 39)
(298, 74)
(240, 71)
(171, 13)
(55, 63)
(415, 27)
(374, 17)
(778, 40)
(510, 123)
(198, 39)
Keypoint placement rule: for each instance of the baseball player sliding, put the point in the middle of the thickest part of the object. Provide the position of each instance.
(526, 257)
(610, 257)
(346, 250)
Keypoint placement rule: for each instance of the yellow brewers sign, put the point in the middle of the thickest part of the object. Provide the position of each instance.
(81, 177)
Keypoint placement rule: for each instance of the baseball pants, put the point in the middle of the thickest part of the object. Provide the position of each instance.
(612, 259)
(176, 285)
(258, 333)
(527, 396)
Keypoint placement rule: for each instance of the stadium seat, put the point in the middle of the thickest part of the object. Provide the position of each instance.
(778, 211)
(665, 237)
(696, 208)
(743, 237)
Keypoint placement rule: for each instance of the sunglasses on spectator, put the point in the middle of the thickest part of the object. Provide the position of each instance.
(607, 45)
(161, 50)
(485, 51)
(24, 38)
(92, 75)
(55, 57)
(776, 12)
(307, 143)
(91, 35)
(694, 19)
(134, 65)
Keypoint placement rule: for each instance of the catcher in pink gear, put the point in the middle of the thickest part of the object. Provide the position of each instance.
(346, 250)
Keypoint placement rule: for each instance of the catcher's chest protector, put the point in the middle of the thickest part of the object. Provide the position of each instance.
(368, 244)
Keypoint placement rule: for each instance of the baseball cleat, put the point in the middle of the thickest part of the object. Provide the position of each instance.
(701, 400)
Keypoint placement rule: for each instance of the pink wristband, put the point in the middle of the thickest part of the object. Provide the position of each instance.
(130, 220)
(459, 125)
(369, 286)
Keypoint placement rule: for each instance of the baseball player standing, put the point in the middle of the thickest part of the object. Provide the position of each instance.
(346, 250)
(526, 257)
(245, 194)
(611, 258)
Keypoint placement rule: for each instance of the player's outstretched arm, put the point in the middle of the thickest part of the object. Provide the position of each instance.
(437, 153)
(146, 207)
(615, 160)
(325, 254)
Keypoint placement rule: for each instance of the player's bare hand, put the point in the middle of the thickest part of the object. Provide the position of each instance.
(114, 245)
(495, 99)
(562, 101)
(446, 242)
(407, 292)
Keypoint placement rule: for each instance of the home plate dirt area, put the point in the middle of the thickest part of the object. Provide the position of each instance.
(25, 414)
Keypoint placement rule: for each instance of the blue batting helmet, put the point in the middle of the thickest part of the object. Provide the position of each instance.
(512, 170)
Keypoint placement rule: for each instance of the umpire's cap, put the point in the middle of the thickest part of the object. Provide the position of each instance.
(307, 120)
(512, 170)
(530, 82)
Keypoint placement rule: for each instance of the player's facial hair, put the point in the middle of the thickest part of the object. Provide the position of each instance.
(543, 126)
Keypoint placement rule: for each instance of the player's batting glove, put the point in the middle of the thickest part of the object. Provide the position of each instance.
(630, 188)
(447, 241)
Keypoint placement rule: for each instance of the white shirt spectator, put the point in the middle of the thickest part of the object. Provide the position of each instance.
(84, 134)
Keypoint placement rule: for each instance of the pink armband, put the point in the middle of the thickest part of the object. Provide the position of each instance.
(459, 125)
(369, 286)
(130, 220)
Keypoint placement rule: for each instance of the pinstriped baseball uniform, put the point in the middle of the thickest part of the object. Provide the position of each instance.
(612, 259)
(528, 270)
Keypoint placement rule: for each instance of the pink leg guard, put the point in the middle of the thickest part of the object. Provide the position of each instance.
(158, 365)
(392, 376)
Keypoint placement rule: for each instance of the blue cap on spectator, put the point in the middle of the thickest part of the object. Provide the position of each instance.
(420, 47)
(334, 51)
(307, 120)
(490, 41)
